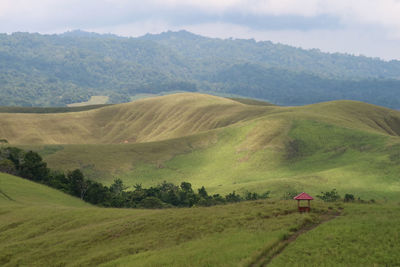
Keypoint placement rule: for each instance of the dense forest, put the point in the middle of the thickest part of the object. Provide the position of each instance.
(55, 70)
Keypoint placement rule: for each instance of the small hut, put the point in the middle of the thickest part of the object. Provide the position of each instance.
(303, 196)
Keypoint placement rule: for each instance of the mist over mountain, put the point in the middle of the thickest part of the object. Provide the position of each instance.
(55, 70)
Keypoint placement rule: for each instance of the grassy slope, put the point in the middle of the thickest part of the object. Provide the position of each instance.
(140, 121)
(348, 145)
(43, 227)
(344, 144)
(250, 101)
(40, 226)
(365, 236)
(17, 191)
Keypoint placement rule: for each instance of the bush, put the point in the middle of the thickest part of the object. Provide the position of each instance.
(152, 203)
(348, 198)
(7, 166)
(331, 196)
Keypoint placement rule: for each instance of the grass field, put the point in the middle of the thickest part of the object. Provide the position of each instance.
(40, 226)
(43, 227)
(366, 235)
(224, 145)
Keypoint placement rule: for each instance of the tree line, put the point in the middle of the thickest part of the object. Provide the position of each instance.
(30, 165)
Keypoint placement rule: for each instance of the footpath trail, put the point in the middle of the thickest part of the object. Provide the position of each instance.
(268, 255)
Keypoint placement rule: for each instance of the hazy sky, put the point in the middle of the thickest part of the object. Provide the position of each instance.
(368, 27)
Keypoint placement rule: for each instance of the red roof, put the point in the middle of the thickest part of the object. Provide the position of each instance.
(303, 196)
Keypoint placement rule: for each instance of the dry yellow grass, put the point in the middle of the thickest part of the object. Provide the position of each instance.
(144, 120)
(178, 115)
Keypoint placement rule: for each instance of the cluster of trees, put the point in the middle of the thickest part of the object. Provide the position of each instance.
(30, 165)
(74, 66)
(333, 196)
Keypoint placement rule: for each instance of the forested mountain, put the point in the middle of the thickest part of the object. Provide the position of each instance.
(55, 70)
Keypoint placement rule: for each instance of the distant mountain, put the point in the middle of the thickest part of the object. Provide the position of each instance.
(55, 70)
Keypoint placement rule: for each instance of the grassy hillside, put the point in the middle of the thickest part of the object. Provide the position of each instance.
(143, 120)
(18, 191)
(221, 144)
(363, 236)
(42, 227)
(225, 145)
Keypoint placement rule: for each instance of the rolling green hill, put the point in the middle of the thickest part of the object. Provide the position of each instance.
(223, 144)
(140, 121)
(40, 226)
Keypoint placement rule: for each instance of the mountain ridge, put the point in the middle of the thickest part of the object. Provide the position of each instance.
(56, 70)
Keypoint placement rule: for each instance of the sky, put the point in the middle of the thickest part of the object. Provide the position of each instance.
(359, 27)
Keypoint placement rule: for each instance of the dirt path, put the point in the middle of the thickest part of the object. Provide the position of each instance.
(267, 256)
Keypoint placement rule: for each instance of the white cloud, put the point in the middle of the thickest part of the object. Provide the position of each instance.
(368, 42)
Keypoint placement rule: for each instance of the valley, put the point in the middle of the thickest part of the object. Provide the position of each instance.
(226, 145)
(222, 143)
(199, 133)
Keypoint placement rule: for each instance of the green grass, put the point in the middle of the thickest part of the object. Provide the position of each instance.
(248, 156)
(43, 227)
(18, 191)
(40, 226)
(225, 146)
(365, 235)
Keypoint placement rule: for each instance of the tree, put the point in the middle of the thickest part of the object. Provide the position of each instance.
(186, 187)
(7, 166)
(348, 198)
(97, 194)
(57, 179)
(233, 197)
(33, 168)
(331, 196)
(78, 184)
(203, 193)
(118, 187)
(186, 195)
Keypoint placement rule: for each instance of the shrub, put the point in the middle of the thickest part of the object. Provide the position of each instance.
(331, 196)
(152, 203)
(348, 198)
